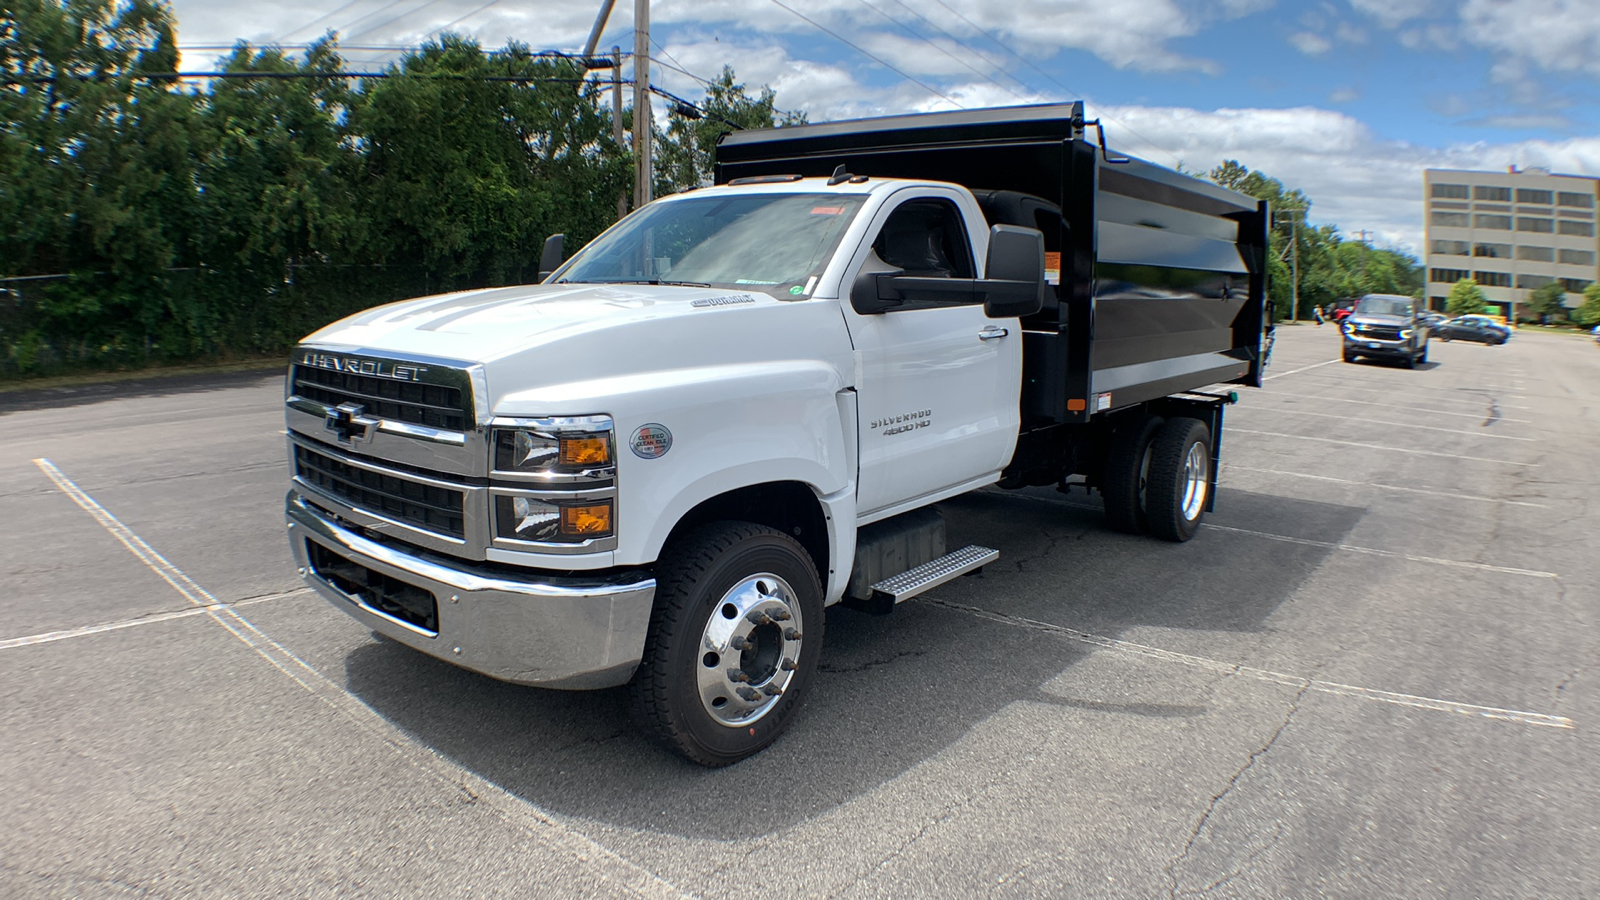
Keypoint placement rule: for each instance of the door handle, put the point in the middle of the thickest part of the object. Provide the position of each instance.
(993, 332)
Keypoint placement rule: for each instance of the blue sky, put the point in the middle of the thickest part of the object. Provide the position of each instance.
(1348, 100)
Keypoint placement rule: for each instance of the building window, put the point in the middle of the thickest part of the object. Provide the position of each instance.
(1581, 229)
(1574, 285)
(1452, 248)
(1542, 226)
(1450, 191)
(1498, 223)
(1493, 251)
(1533, 281)
(1453, 220)
(1529, 195)
(1574, 214)
(1440, 204)
(1580, 201)
(1577, 257)
(1495, 194)
(1536, 254)
(1492, 279)
(1488, 207)
(1448, 276)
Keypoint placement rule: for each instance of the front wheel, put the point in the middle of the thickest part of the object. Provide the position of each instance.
(734, 642)
(1422, 357)
(1180, 479)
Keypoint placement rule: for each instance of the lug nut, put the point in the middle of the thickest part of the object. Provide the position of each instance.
(788, 665)
(757, 617)
(772, 690)
(789, 634)
(737, 676)
(782, 615)
(751, 695)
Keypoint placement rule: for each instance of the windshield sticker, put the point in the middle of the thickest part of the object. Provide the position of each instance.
(797, 290)
(725, 300)
(651, 441)
(827, 210)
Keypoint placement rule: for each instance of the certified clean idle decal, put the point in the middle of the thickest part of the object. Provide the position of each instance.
(651, 441)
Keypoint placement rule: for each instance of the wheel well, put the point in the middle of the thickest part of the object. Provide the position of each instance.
(789, 506)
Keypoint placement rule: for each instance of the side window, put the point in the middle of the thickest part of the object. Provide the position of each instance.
(927, 239)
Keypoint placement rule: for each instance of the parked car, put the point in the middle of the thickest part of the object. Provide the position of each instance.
(1482, 329)
(1432, 319)
(1386, 326)
(1596, 332)
(1341, 308)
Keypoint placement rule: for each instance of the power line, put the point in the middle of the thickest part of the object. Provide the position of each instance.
(1030, 64)
(351, 27)
(963, 44)
(843, 40)
(452, 23)
(393, 19)
(320, 19)
(907, 29)
(682, 71)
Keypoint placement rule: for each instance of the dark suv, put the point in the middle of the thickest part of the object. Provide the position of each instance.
(1386, 326)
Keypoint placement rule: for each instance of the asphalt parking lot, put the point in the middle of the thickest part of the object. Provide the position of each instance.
(1371, 674)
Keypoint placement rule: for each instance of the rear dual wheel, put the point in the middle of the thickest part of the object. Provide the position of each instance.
(1127, 474)
(1158, 477)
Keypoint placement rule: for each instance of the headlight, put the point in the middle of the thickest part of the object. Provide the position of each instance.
(1348, 327)
(1406, 333)
(558, 445)
(552, 522)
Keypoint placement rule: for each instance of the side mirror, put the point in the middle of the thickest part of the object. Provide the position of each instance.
(1013, 283)
(871, 293)
(551, 259)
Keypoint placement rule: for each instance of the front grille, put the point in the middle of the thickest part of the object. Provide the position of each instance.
(1379, 333)
(390, 596)
(433, 405)
(427, 507)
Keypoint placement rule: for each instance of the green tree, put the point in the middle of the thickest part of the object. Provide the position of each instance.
(685, 150)
(1466, 298)
(1547, 301)
(1588, 314)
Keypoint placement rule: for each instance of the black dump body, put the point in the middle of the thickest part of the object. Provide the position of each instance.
(1162, 276)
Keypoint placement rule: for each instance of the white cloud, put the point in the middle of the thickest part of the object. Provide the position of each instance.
(1354, 179)
(1344, 95)
(1391, 13)
(1310, 44)
(1556, 35)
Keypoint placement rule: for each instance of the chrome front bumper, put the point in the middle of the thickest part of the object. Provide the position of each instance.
(570, 633)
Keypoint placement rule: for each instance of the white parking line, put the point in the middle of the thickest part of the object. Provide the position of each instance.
(1301, 369)
(1370, 551)
(1423, 409)
(1314, 684)
(1348, 548)
(1482, 434)
(1307, 437)
(625, 875)
(1226, 467)
(52, 636)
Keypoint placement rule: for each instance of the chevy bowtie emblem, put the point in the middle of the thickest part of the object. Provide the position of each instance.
(348, 423)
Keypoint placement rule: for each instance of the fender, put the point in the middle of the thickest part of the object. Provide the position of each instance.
(731, 426)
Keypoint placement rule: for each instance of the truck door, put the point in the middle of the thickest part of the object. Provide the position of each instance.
(938, 381)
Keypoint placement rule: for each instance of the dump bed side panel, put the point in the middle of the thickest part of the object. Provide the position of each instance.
(1175, 284)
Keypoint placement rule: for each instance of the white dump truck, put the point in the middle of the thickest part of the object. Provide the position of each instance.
(739, 406)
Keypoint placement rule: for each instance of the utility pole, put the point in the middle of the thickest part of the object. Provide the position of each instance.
(616, 118)
(599, 26)
(1294, 229)
(642, 189)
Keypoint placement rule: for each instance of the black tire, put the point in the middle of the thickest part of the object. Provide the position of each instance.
(1123, 481)
(1175, 467)
(1445, 337)
(697, 580)
(1422, 358)
(1349, 357)
(1410, 361)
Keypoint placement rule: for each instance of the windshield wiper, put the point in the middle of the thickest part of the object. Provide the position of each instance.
(640, 281)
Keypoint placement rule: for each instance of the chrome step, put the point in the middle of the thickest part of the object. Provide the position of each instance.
(930, 575)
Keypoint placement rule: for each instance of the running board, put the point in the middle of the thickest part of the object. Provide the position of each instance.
(930, 575)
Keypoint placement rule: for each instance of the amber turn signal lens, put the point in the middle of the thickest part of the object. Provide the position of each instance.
(594, 519)
(590, 450)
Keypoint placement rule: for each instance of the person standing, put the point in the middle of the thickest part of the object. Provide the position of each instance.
(1316, 313)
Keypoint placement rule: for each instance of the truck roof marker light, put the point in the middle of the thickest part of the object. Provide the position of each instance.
(765, 179)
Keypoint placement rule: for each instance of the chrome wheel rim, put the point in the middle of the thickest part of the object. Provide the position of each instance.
(1196, 480)
(749, 650)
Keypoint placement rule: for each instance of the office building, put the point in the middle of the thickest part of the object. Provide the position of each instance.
(1511, 231)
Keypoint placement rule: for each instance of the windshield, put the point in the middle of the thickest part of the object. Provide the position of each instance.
(767, 242)
(1384, 306)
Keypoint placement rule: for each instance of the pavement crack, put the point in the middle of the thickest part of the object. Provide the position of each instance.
(1171, 868)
